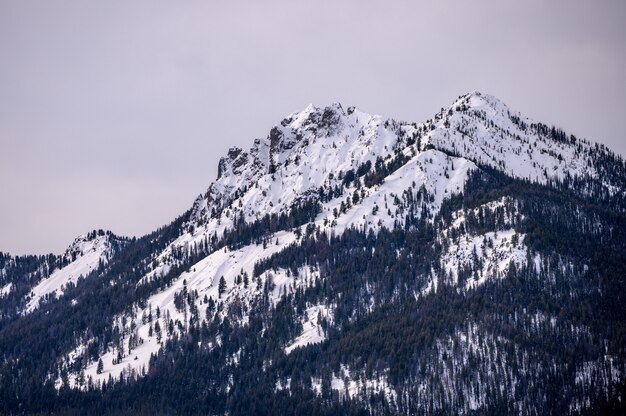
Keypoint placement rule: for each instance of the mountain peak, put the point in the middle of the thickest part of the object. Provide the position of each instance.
(85, 242)
(482, 128)
(86, 253)
(480, 100)
(312, 115)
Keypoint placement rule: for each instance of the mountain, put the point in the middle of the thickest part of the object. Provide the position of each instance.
(346, 263)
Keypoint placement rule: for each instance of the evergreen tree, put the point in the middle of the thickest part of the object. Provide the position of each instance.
(221, 286)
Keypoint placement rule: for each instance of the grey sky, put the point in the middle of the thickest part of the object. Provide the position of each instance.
(113, 114)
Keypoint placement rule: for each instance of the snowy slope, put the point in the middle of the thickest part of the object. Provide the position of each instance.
(489, 255)
(312, 331)
(306, 151)
(428, 173)
(482, 128)
(202, 278)
(80, 259)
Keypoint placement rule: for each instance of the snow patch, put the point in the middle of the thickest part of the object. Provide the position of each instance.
(6, 289)
(488, 256)
(312, 331)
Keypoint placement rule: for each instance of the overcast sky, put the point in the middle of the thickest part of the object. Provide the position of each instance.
(113, 114)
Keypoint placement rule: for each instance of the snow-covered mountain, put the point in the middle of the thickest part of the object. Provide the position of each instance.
(313, 148)
(363, 170)
(327, 221)
(316, 155)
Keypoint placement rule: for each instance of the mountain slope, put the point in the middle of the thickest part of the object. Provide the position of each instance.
(354, 263)
(86, 253)
(28, 280)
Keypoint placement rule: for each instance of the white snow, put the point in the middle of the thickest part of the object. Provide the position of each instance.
(427, 169)
(6, 289)
(88, 254)
(504, 145)
(305, 159)
(496, 251)
(350, 384)
(312, 332)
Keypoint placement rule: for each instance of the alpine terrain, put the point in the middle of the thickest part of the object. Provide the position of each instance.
(474, 263)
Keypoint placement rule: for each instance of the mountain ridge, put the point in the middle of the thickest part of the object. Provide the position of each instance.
(471, 202)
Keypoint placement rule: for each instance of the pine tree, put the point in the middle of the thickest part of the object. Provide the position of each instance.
(157, 329)
(222, 286)
(100, 368)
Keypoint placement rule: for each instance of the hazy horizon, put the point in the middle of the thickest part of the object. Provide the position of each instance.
(114, 115)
